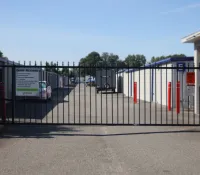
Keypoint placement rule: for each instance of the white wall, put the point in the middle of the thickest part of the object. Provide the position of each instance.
(143, 79)
(126, 83)
(161, 79)
(160, 84)
(119, 82)
(152, 84)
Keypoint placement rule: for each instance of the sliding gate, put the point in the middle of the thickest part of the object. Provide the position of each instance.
(75, 95)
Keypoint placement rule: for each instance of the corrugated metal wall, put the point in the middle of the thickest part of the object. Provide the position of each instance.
(152, 84)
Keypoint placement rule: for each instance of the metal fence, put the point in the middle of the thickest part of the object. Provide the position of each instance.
(150, 95)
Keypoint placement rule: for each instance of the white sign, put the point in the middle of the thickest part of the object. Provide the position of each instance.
(27, 82)
(190, 90)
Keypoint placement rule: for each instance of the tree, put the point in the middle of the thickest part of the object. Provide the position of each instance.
(135, 60)
(155, 59)
(1, 54)
(109, 59)
(121, 64)
(52, 67)
(91, 60)
(65, 71)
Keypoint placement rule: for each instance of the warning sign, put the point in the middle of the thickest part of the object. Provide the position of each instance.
(190, 78)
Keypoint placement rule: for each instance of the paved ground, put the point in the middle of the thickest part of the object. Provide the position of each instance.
(94, 149)
(100, 150)
(83, 105)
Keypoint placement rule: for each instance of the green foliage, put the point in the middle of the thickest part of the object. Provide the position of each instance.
(52, 67)
(155, 59)
(109, 59)
(1, 54)
(65, 71)
(135, 60)
(91, 60)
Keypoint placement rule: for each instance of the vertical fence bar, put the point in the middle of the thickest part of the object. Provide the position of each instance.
(13, 92)
(151, 90)
(112, 85)
(69, 89)
(58, 82)
(144, 95)
(118, 85)
(6, 118)
(35, 109)
(41, 73)
(172, 91)
(79, 84)
(182, 94)
(31, 104)
(167, 97)
(199, 105)
(74, 94)
(161, 95)
(85, 93)
(199, 100)
(128, 92)
(194, 102)
(123, 101)
(106, 94)
(155, 95)
(63, 90)
(90, 93)
(188, 97)
(52, 105)
(101, 97)
(139, 96)
(24, 105)
(95, 95)
(46, 114)
(178, 95)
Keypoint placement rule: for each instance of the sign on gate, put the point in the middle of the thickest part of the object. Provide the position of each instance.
(27, 82)
(190, 78)
(190, 91)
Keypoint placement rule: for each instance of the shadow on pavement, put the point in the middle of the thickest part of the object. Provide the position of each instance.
(37, 109)
(26, 131)
(109, 92)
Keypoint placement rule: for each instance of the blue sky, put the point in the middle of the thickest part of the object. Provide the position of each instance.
(67, 30)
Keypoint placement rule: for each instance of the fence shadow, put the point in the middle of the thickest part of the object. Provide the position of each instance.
(37, 109)
(25, 131)
(51, 131)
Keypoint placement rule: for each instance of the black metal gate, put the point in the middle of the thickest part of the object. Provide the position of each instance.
(147, 95)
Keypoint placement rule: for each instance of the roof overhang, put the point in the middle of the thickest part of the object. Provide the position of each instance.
(192, 38)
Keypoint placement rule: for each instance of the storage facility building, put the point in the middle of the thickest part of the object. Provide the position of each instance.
(152, 81)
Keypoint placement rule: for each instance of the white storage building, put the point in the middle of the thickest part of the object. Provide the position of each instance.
(152, 84)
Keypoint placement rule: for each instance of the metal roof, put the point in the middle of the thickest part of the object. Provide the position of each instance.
(191, 38)
(161, 62)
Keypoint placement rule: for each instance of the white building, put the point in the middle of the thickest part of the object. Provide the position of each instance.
(194, 38)
(152, 84)
(119, 81)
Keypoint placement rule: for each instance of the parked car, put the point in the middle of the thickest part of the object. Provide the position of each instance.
(45, 90)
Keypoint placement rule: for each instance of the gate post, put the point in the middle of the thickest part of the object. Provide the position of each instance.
(178, 97)
(169, 96)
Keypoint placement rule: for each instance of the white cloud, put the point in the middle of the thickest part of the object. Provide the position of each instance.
(182, 9)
